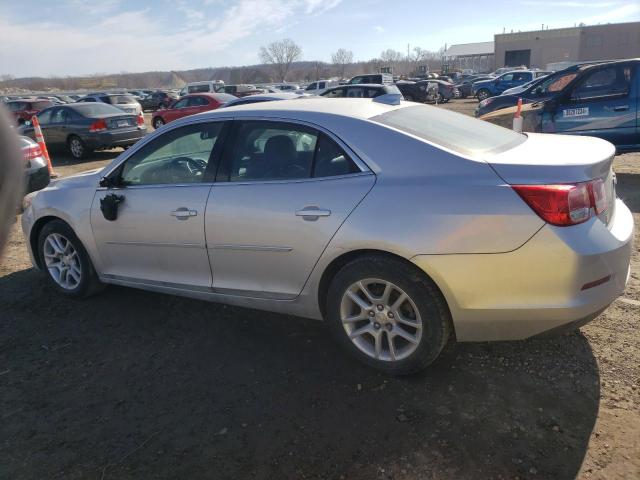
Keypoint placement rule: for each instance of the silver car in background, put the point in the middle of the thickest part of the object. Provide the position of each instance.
(400, 225)
(126, 103)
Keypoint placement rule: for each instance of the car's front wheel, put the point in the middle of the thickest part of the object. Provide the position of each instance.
(158, 122)
(65, 260)
(388, 314)
(483, 94)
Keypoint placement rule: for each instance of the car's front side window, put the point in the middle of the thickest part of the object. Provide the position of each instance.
(178, 156)
(614, 80)
(181, 103)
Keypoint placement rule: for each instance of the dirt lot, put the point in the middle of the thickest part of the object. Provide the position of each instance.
(131, 384)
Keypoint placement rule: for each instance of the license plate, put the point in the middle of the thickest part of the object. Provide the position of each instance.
(123, 123)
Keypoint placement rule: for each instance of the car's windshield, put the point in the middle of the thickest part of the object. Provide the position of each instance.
(555, 83)
(122, 99)
(451, 130)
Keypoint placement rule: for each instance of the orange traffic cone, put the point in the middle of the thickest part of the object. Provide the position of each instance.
(43, 146)
(517, 118)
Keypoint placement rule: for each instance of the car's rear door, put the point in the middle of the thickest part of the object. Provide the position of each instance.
(158, 236)
(602, 103)
(282, 192)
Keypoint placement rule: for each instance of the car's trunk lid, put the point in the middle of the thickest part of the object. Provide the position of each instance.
(121, 121)
(551, 159)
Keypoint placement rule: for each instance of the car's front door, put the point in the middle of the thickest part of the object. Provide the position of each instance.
(56, 128)
(602, 103)
(502, 83)
(282, 192)
(158, 235)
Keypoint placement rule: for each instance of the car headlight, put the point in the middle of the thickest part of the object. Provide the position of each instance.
(486, 102)
(26, 201)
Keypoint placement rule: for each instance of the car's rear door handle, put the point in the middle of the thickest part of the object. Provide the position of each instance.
(312, 213)
(621, 108)
(183, 213)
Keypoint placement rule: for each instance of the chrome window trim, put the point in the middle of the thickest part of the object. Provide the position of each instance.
(183, 122)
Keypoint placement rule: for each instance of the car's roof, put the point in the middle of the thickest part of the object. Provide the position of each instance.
(356, 85)
(268, 96)
(313, 106)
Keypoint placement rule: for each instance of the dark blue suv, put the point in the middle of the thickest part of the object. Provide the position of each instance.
(495, 86)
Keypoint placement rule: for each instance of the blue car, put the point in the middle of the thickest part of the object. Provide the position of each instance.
(601, 100)
(495, 86)
(537, 90)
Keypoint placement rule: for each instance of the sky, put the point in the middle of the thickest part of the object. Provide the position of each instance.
(77, 37)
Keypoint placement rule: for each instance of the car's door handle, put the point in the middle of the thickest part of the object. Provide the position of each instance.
(621, 108)
(312, 213)
(183, 213)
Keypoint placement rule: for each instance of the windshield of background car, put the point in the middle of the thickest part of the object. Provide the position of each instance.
(199, 88)
(16, 106)
(557, 82)
(122, 99)
(95, 109)
(457, 132)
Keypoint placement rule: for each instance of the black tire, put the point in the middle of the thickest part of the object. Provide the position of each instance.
(157, 123)
(76, 147)
(483, 94)
(408, 98)
(436, 318)
(89, 283)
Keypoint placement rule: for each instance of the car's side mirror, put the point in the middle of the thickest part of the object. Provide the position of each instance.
(108, 182)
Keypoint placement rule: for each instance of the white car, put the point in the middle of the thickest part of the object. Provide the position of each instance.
(317, 88)
(125, 102)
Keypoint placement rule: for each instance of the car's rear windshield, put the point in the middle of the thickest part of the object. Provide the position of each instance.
(95, 109)
(457, 132)
(121, 99)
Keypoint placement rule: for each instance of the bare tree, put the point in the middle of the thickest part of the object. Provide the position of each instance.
(281, 55)
(342, 58)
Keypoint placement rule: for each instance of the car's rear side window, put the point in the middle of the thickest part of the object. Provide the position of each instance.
(457, 132)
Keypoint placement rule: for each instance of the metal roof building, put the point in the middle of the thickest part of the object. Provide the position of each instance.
(540, 48)
(477, 56)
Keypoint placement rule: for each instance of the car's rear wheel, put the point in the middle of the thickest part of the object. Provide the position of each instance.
(408, 98)
(76, 147)
(66, 262)
(158, 122)
(388, 314)
(483, 94)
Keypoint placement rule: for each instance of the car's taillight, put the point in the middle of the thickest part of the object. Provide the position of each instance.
(598, 196)
(140, 120)
(561, 205)
(98, 126)
(31, 152)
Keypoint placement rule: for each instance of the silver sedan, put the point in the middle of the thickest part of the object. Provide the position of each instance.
(400, 225)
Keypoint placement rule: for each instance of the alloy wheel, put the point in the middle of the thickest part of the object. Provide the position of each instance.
(381, 319)
(75, 145)
(62, 261)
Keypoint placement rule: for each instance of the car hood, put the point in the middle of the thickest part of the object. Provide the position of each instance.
(79, 180)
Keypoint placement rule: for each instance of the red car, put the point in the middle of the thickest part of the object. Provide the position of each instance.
(24, 109)
(190, 105)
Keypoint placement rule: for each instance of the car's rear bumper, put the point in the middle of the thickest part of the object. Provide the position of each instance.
(111, 139)
(38, 178)
(540, 287)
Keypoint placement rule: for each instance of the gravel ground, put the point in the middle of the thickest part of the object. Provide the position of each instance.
(132, 384)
